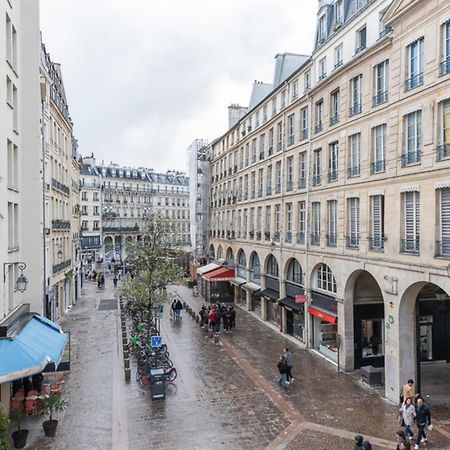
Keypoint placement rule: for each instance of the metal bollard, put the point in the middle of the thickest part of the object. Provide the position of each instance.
(126, 354)
(126, 363)
(127, 374)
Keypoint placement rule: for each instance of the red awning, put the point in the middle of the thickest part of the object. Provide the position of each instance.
(220, 274)
(322, 315)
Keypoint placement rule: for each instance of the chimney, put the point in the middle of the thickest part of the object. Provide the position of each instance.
(235, 113)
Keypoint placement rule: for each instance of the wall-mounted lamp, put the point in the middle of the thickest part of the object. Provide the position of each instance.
(21, 282)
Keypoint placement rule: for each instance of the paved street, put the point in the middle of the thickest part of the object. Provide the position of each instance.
(225, 396)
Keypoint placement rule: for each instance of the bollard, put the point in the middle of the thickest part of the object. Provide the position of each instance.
(124, 341)
(127, 374)
(126, 363)
(126, 354)
(216, 338)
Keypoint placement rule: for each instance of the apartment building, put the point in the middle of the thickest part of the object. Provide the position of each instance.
(336, 210)
(116, 202)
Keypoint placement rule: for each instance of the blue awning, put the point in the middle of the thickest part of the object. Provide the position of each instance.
(39, 342)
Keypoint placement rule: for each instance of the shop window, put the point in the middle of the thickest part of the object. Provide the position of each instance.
(372, 338)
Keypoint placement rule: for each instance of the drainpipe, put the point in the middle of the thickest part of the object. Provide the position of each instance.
(44, 252)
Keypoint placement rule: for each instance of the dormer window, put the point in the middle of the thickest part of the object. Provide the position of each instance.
(322, 29)
(338, 13)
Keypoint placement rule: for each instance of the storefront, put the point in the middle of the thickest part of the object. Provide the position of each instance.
(323, 313)
(272, 307)
(294, 304)
(218, 288)
(255, 299)
(202, 271)
(240, 295)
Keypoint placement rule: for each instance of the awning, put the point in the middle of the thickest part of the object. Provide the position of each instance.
(252, 287)
(204, 269)
(322, 315)
(220, 274)
(269, 293)
(324, 302)
(238, 281)
(38, 343)
(290, 303)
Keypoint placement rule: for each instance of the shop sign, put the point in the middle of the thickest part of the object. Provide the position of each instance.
(300, 298)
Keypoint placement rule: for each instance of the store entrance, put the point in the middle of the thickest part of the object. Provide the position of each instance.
(290, 322)
(433, 343)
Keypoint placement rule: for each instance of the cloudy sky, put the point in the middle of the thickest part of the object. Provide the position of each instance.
(144, 78)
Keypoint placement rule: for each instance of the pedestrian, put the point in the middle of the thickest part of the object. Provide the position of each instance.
(409, 413)
(400, 437)
(218, 319)
(102, 280)
(289, 363)
(282, 369)
(178, 308)
(99, 281)
(201, 313)
(423, 417)
(226, 320)
(361, 444)
(212, 317)
(407, 391)
(232, 317)
(172, 308)
(115, 281)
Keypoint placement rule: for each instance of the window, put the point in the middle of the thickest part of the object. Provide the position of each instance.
(262, 143)
(277, 222)
(413, 138)
(333, 162)
(247, 154)
(291, 129)
(444, 147)
(15, 110)
(322, 68)
(280, 136)
(13, 226)
(317, 167)
(361, 39)
(294, 272)
(332, 223)
(301, 222)
(376, 239)
(84, 210)
(360, 4)
(302, 170)
(9, 92)
(278, 177)
(84, 225)
(338, 56)
(355, 95)
(254, 150)
(271, 142)
(381, 83)
(260, 182)
(283, 99)
(307, 81)
(96, 225)
(269, 181)
(13, 166)
(304, 123)
(253, 185)
(96, 210)
(264, 113)
(414, 64)
(378, 148)
(334, 107)
(443, 245)
(268, 222)
(274, 106)
(95, 197)
(339, 13)
(355, 155)
(241, 265)
(353, 222)
(11, 43)
(315, 223)
(289, 173)
(411, 218)
(257, 119)
(325, 279)
(294, 90)
(322, 29)
(319, 116)
(288, 237)
(445, 61)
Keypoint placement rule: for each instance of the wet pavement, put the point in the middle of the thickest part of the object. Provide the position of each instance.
(225, 397)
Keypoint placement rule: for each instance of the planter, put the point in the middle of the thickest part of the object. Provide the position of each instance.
(19, 438)
(50, 427)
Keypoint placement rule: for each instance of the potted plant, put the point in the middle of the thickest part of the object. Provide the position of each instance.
(4, 426)
(52, 404)
(19, 436)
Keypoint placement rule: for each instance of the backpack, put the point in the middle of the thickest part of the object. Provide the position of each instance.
(367, 445)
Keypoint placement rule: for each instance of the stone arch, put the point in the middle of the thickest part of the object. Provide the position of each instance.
(229, 257)
(219, 252)
(108, 244)
(212, 253)
(293, 271)
(322, 277)
(241, 264)
(255, 267)
(271, 266)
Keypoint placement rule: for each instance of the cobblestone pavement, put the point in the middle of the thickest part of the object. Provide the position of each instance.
(225, 397)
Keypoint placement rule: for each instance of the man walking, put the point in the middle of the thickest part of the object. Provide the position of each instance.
(407, 391)
(361, 444)
(282, 369)
(115, 281)
(423, 417)
(289, 363)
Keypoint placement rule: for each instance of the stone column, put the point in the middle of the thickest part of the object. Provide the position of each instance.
(346, 332)
(264, 308)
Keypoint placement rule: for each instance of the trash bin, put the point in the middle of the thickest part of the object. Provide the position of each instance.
(157, 384)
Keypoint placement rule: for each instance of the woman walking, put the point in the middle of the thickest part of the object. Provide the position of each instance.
(409, 413)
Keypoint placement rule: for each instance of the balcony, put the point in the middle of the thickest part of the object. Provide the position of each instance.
(360, 48)
(260, 193)
(120, 229)
(444, 66)
(411, 158)
(267, 235)
(60, 225)
(302, 183)
(315, 239)
(61, 266)
(318, 128)
(380, 98)
(410, 246)
(331, 240)
(277, 188)
(356, 108)
(276, 236)
(443, 248)
(384, 32)
(376, 243)
(301, 237)
(338, 64)
(304, 134)
(251, 234)
(258, 235)
(414, 81)
(353, 171)
(288, 237)
(378, 166)
(334, 119)
(353, 241)
(322, 76)
(289, 185)
(60, 187)
(443, 151)
(316, 180)
(269, 190)
(332, 176)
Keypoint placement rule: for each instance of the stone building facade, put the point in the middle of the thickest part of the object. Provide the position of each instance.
(336, 210)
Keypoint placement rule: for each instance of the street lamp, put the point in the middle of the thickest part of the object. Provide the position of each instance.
(22, 281)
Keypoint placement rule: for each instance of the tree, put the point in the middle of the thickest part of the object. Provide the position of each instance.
(151, 260)
(4, 426)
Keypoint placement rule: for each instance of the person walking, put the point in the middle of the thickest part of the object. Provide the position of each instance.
(202, 314)
(218, 319)
(178, 308)
(407, 391)
(102, 280)
(115, 281)
(212, 317)
(409, 413)
(226, 320)
(400, 437)
(289, 363)
(232, 317)
(423, 417)
(99, 281)
(282, 370)
(172, 308)
(361, 444)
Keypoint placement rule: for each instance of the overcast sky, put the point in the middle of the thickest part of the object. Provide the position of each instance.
(145, 78)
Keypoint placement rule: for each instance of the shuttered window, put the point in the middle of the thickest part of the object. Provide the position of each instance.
(332, 222)
(353, 222)
(377, 222)
(445, 221)
(446, 122)
(355, 154)
(315, 223)
(412, 221)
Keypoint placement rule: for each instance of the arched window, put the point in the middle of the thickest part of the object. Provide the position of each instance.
(230, 258)
(255, 267)
(325, 279)
(219, 252)
(211, 251)
(272, 267)
(242, 264)
(294, 272)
